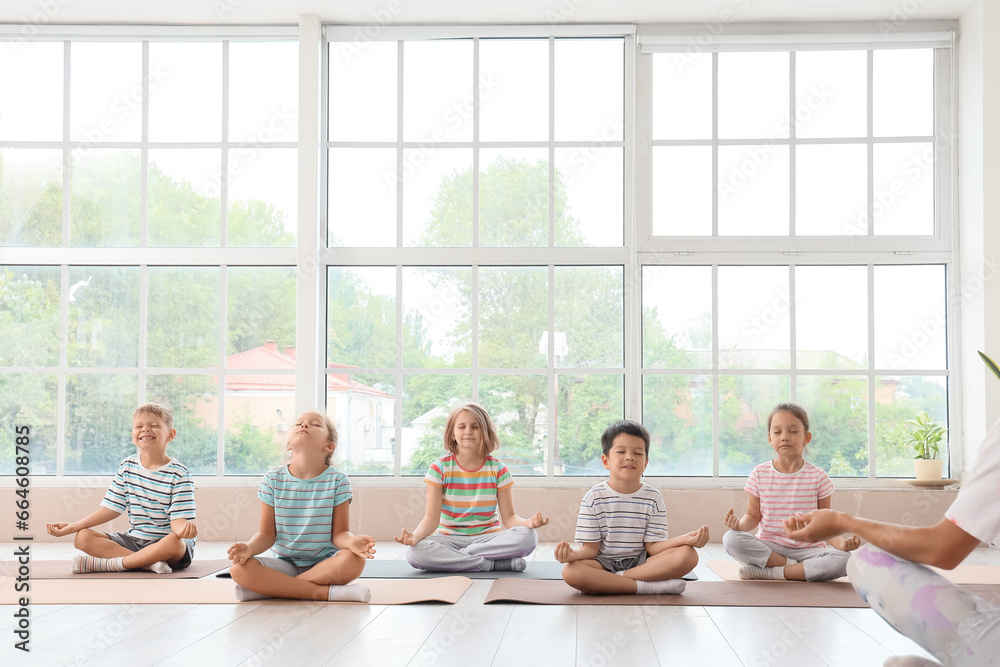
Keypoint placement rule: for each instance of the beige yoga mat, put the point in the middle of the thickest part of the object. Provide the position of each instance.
(60, 569)
(696, 594)
(963, 574)
(215, 591)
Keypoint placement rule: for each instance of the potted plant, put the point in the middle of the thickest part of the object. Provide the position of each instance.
(925, 438)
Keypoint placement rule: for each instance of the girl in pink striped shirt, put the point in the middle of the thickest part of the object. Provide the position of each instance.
(778, 489)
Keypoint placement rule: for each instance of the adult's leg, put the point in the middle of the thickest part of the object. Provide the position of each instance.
(957, 627)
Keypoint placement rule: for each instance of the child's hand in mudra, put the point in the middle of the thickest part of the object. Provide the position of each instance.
(697, 538)
(406, 537)
(537, 521)
(849, 543)
(363, 545)
(239, 553)
(731, 520)
(564, 552)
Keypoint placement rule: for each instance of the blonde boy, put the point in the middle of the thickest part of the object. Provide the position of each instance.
(622, 527)
(156, 491)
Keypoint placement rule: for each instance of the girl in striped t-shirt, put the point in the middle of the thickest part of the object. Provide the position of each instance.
(305, 523)
(460, 531)
(778, 489)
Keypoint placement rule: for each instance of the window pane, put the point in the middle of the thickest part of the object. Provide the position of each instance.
(831, 190)
(29, 319)
(514, 84)
(361, 312)
(437, 317)
(106, 92)
(910, 318)
(831, 317)
(263, 197)
(904, 188)
(753, 95)
(260, 320)
(589, 322)
(427, 402)
(31, 78)
(898, 398)
(363, 408)
(103, 327)
(437, 198)
(838, 421)
(903, 87)
(183, 317)
(260, 411)
(362, 197)
(437, 90)
(29, 400)
(753, 317)
(589, 89)
(677, 411)
(363, 72)
(592, 210)
(185, 91)
(98, 422)
(682, 190)
(753, 190)
(745, 401)
(195, 402)
(31, 186)
(183, 204)
(105, 198)
(517, 405)
(514, 197)
(263, 91)
(831, 94)
(513, 313)
(677, 316)
(586, 405)
(682, 96)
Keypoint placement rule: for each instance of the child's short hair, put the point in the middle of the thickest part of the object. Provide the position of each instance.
(161, 411)
(628, 427)
(491, 441)
(794, 408)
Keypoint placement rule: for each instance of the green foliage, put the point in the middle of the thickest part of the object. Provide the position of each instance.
(925, 436)
(250, 449)
(990, 364)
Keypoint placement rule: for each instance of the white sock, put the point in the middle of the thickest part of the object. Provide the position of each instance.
(246, 595)
(159, 567)
(757, 572)
(667, 587)
(355, 592)
(82, 564)
(909, 661)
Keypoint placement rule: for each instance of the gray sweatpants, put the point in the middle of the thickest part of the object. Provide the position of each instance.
(461, 553)
(820, 563)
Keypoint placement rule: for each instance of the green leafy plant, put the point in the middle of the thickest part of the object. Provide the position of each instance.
(926, 436)
(990, 364)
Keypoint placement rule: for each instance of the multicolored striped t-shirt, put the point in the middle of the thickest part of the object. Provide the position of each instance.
(782, 495)
(303, 512)
(469, 497)
(152, 498)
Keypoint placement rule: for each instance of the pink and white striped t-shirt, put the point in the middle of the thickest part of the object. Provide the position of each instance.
(782, 495)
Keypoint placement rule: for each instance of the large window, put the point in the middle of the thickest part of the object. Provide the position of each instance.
(567, 224)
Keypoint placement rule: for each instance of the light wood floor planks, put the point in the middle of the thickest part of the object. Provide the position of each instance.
(466, 634)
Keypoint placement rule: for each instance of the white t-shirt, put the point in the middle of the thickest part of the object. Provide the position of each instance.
(976, 510)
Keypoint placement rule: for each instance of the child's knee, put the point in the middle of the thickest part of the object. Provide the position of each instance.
(84, 538)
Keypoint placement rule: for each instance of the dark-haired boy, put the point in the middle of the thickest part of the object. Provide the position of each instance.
(622, 527)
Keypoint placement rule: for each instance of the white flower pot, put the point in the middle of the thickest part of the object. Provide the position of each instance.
(928, 469)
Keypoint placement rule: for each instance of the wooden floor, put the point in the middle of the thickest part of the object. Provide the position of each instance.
(467, 633)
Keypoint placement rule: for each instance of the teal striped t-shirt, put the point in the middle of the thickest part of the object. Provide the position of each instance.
(152, 498)
(303, 512)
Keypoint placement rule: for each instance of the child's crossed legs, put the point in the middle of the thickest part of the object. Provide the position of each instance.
(591, 576)
(137, 553)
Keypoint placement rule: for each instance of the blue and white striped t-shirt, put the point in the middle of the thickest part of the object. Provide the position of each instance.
(152, 498)
(621, 522)
(303, 512)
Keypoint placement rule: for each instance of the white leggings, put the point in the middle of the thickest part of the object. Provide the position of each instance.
(954, 625)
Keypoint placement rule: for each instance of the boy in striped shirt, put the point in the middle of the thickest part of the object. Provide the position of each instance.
(157, 493)
(622, 527)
